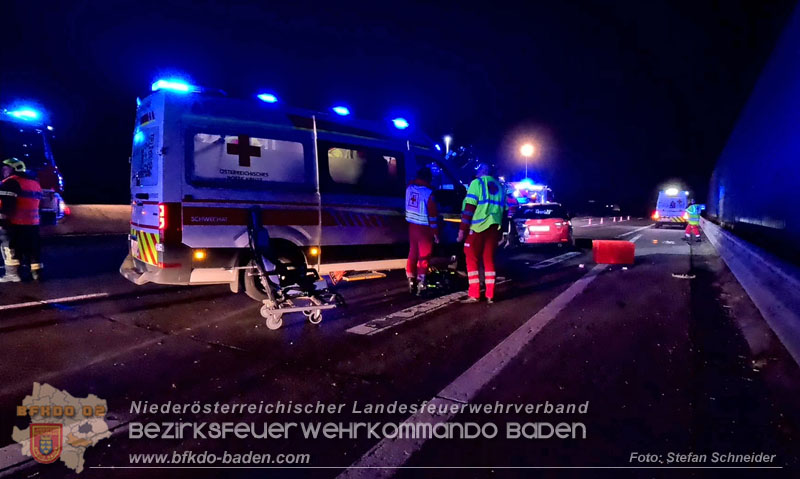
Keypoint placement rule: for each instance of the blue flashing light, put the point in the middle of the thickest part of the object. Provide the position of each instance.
(341, 110)
(438, 148)
(178, 86)
(27, 114)
(400, 123)
(267, 97)
(138, 137)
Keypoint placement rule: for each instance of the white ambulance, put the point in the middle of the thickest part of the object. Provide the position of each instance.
(329, 188)
(671, 208)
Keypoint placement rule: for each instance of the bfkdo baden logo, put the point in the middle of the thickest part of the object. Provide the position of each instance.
(62, 426)
(46, 442)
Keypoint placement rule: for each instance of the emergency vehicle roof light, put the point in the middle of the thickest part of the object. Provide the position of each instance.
(672, 191)
(438, 148)
(172, 84)
(138, 137)
(28, 114)
(400, 123)
(267, 97)
(341, 110)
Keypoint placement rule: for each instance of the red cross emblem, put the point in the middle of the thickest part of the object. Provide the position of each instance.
(243, 149)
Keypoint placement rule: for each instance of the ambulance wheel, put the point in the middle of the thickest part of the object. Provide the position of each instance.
(314, 316)
(657, 226)
(252, 284)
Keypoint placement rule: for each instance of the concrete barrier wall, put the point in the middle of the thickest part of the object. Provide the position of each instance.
(92, 219)
(772, 284)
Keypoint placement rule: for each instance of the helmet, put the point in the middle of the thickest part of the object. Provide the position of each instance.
(16, 164)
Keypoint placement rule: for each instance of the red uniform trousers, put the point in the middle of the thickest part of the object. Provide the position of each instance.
(420, 249)
(692, 229)
(481, 246)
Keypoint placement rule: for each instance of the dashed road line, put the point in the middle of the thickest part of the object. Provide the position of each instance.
(633, 231)
(633, 240)
(555, 260)
(389, 454)
(378, 325)
(66, 299)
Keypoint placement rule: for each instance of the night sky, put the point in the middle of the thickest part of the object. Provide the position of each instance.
(620, 96)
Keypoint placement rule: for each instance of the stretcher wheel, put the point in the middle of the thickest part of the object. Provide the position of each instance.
(273, 320)
(314, 316)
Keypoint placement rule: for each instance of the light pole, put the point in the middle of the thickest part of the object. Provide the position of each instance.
(447, 139)
(527, 151)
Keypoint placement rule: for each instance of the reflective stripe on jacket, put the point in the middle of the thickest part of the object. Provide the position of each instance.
(484, 205)
(693, 211)
(420, 205)
(26, 195)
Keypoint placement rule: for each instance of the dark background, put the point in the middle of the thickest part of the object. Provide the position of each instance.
(619, 96)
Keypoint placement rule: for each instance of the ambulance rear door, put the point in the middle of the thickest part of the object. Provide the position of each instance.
(146, 179)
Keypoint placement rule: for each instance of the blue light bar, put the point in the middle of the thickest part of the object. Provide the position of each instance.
(178, 86)
(400, 123)
(138, 137)
(27, 114)
(267, 97)
(341, 110)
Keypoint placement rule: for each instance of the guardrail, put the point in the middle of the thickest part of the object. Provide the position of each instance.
(92, 220)
(772, 284)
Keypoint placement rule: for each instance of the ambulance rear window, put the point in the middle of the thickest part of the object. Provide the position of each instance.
(143, 158)
(248, 160)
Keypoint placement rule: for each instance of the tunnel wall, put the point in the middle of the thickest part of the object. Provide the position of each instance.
(755, 186)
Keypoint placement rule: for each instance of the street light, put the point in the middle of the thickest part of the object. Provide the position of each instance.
(527, 151)
(447, 139)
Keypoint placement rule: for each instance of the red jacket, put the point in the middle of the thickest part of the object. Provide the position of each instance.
(19, 200)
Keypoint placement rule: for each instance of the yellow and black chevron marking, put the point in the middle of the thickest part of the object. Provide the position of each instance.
(673, 219)
(147, 246)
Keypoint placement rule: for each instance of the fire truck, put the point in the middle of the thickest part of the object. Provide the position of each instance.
(25, 135)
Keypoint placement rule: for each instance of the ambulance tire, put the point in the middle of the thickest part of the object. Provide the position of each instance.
(285, 254)
(657, 226)
(252, 285)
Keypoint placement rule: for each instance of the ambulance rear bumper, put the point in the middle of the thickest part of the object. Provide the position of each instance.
(140, 274)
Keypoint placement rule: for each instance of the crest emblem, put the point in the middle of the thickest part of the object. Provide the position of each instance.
(46, 442)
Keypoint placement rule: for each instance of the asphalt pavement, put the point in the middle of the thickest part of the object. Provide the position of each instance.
(669, 354)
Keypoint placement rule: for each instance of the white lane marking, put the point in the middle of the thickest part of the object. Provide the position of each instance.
(633, 240)
(555, 260)
(378, 325)
(66, 299)
(389, 454)
(633, 231)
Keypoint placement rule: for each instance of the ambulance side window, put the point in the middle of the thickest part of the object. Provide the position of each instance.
(250, 161)
(356, 169)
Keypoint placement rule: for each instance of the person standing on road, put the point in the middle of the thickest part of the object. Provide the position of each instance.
(423, 229)
(481, 220)
(693, 218)
(20, 195)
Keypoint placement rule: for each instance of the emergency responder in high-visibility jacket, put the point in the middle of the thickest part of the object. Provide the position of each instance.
(423, 229)
(484, 209)
(693, 218)
(20, 195)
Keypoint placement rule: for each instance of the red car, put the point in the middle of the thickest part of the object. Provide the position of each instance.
(547, 223)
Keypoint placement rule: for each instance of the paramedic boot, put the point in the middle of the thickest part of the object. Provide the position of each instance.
(697, 239)
(412, 285)
(11, 275)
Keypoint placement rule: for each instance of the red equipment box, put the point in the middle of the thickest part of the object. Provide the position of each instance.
(613, 252)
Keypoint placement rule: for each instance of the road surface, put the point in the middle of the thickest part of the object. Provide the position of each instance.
(664, 364)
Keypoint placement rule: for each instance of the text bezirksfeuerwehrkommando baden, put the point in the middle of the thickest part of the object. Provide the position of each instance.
(395, 407)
